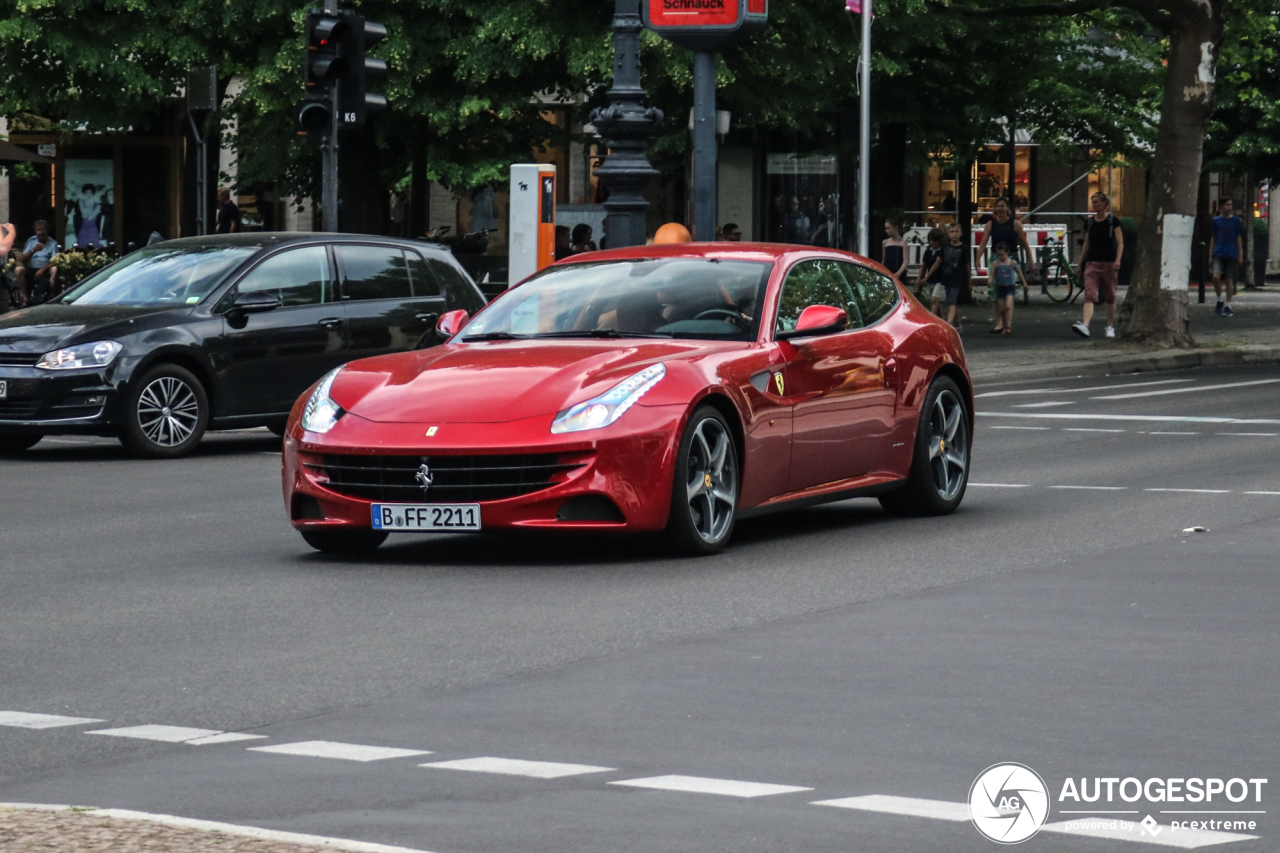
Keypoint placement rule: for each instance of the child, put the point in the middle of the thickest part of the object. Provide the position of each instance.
(955, 269)
(1006, 272)
(929, 268)
(895, 250)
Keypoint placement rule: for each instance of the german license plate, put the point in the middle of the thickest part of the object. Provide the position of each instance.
(409, 518)
(4, 389)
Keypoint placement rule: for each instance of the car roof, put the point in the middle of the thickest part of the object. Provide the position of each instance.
(268, 239)
(768, 252)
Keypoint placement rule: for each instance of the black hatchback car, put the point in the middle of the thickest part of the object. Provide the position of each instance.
(215, 333)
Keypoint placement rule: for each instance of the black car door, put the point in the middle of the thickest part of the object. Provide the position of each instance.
(388, 302)
(267, 360)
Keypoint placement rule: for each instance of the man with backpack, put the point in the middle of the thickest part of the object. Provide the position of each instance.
(1100, 259)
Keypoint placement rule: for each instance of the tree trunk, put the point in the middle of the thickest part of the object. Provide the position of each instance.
(1152, 313)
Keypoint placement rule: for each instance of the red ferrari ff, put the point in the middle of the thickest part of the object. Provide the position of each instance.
(676, 388)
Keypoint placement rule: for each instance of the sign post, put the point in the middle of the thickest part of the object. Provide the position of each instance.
(706, 27)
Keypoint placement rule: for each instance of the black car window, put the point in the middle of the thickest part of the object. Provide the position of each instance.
(373, 272)
(424, 281)
(296, 277)
(815, 283)
(876, 293)
(459, 291)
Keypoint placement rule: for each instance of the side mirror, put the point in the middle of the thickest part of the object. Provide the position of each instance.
(450, 323)
(817, 320)
(255, 302)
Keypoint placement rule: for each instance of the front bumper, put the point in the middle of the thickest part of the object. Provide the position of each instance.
(81, 402)
(629, 463)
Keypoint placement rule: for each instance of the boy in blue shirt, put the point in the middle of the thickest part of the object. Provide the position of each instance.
(1226, 245)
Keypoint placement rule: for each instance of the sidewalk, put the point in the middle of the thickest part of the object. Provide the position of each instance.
(1043, 346)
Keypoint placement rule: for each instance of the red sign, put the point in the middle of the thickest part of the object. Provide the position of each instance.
(695, 13)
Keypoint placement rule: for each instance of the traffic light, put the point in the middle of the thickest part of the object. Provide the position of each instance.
(328, 39)
(355, 101)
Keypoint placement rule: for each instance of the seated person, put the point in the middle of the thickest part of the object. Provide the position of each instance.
(37, 278)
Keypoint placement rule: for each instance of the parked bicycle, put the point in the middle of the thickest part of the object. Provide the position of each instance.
(1059, 280)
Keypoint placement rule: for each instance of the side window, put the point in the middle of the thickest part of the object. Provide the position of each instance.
(876, 294)
(296, 277)
(815, 283)
(423, 280)
(459, 291)
(373, 272)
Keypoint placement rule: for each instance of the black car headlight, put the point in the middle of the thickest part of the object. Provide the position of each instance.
(96, 354)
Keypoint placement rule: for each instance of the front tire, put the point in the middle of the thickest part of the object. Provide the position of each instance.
(166, 413)
(348, 542)
(704, 494)
(940, 463)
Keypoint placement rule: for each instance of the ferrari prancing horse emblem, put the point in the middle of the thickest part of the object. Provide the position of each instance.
(424, 476)
(432, 431)
(777, 380)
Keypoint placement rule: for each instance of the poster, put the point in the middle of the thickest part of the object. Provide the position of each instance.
(90, 202)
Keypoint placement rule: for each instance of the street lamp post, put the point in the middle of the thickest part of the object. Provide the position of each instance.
(627, 125)
(864, 136)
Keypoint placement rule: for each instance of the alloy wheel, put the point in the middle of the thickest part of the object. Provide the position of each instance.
(168, 411)
(711, 481)
(948, 445)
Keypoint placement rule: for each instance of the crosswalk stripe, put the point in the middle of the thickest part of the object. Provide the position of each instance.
(225, 737)
(333, 749)
(909, 806)
(167, 734)
(1167, 836)
(517, 767)
(703, 785)
(23, 720)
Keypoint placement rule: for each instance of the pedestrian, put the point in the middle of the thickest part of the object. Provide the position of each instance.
(580, 240)
(1226, 247)
(930, 269)
(895, 250)
(1005, 272)
(731, 232)
(1003, 227)
(1100, 258)
(955, 269)
(37, 278)
(228, 213)
(8, 234)
(564, 242)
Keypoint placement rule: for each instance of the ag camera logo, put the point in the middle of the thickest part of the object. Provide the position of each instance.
(1008, 803)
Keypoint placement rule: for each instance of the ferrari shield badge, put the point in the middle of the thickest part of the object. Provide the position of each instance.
(781, 386)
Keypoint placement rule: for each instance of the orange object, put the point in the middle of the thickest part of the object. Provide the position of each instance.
(673, 232)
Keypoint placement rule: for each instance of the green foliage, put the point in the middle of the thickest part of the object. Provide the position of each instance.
(1244, 134)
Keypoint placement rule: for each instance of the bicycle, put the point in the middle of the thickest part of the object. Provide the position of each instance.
(1058, 279)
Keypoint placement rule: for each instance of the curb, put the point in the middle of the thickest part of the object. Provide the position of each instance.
(319, 841)
(1176, 360)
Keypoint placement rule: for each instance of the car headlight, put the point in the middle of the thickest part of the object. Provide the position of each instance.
(321, 413)
(612, 404)
(96, 354)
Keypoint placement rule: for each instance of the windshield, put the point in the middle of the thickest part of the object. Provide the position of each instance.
(159, 276)
(701, 298)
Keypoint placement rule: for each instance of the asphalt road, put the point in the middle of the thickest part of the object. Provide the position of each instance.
(1061, 619)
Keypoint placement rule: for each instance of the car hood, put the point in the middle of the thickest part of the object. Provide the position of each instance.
(49, 327)
(499, 381)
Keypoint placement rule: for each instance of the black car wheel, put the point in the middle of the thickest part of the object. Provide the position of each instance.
(15, 444)
(166, 413)
(940, 464)
(344, 541)
(704, 496)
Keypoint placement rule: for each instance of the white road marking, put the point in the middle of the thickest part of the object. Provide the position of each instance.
(167, 734)
(225, 737)
(333, 749)
(1001, 485)
(1180, 419)
(1090, 429)
(702, 785)
(1020, 427)
(1167, 836)
(23, 720)
(1093, 488)
(910, 806)
(1044, 405)
(1187, 390)
(1080, 390)
(518, 767)
(227, 829)
(1153, 432)
(1193, 491)
(1252, 434)
(1262, 493)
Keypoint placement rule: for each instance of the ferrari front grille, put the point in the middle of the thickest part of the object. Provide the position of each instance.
(445, 479)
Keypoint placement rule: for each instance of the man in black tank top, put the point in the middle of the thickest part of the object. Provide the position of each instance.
(1100, 263)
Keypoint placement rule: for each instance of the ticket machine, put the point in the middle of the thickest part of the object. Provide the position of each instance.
(533, 219)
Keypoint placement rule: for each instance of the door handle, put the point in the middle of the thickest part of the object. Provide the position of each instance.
(890, 372)
(426, 319)
(333, 322)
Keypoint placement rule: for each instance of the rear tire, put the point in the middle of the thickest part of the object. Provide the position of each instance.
(348, 542)
(1057, 283)
(12, 445)
(940, 463)
(166, 413)
(704, 491)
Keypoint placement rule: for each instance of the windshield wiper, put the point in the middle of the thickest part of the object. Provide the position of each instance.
(494, 336)
(601, 333)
